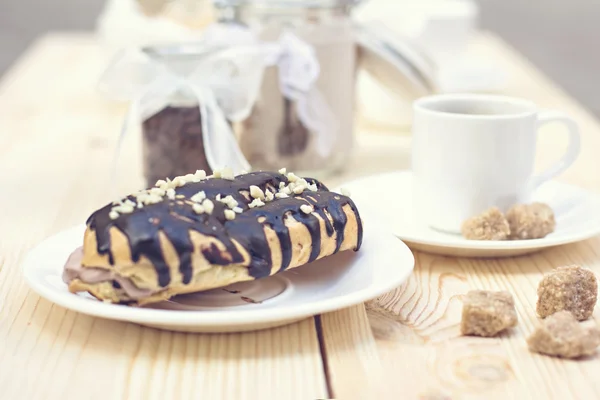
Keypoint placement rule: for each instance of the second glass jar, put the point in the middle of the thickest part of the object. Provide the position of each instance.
(274, 136)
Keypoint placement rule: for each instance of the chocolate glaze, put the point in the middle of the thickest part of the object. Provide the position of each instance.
(176, 218)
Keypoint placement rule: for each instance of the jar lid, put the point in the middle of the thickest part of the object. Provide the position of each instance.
(287, 3)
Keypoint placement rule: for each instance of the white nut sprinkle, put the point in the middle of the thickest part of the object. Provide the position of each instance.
(281, 195)
(292, 177)
(189, 178)
(140, 205)
(283, 171)
(179, 181)
(198, 197)
(230, 201)
(158, 191)
(141, 197)
(299, 189)
(171, 193)
(229, 215)
(306, 209)
(208, 205)
(345, 192)
(198, 209)
(313, 187)
(153, 199)
(256, 192)
(269, 195)
(227, 173)
(200, 174)
(286, 190)
(238, 210)
(281, 185)
(160, 183)
(119, 209)
(216, 173)
(218, 197)
(256, 203)
(124, 208)
(130, 203)
(113, 214)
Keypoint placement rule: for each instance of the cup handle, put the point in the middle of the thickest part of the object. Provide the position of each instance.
(546, 117)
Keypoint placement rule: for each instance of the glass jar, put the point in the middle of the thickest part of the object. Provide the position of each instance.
(248, 122)
(172, 142)
(274, 135)
(172, 126)
(195, 90)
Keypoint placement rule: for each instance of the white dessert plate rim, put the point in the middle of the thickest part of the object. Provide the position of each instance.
(381, 240)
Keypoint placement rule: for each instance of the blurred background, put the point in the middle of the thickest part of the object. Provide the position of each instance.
(558, 36)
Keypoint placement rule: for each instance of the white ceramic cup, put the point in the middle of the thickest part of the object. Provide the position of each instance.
(473, 151)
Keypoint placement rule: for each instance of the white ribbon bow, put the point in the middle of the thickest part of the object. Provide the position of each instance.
(225, 79)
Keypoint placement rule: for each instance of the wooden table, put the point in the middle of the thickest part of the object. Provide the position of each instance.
(56, 142)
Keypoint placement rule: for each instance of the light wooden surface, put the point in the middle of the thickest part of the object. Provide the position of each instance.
(56, 141)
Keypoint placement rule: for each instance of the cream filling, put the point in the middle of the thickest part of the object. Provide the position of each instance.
(92, 275)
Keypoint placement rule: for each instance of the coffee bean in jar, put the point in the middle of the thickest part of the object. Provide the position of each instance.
(172, 143)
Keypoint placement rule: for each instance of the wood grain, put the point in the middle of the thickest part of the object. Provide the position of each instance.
(57, 142)
(415, 329)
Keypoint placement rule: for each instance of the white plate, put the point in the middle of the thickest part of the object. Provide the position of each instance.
(390, 197)
(339, 281)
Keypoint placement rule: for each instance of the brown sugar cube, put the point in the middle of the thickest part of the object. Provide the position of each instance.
(490, 225)
(487, 313)
(530, 221)
(570, 288)
(561, 335)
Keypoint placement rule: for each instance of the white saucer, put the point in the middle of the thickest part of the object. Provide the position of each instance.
(389, 197)
(345, 279)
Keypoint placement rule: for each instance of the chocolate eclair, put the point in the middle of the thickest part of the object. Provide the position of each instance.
(196, 233)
